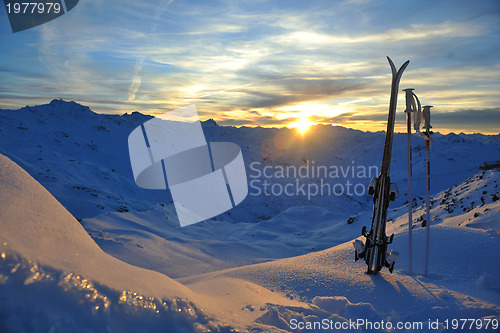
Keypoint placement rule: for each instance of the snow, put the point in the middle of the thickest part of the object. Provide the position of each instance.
(52, 270)
(138, 238)
(36, 226)
(125, 264)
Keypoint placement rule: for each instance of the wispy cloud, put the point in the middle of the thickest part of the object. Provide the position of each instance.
(136, 81)
(415, 32)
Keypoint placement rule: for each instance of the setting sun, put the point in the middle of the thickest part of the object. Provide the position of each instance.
(302, 125)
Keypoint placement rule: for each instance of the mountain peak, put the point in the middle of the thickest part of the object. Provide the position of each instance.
(70, 107)
(60, 107)
(209, 123)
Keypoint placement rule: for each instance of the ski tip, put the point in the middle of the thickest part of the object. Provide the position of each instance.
(393, 68)
(396, 72)
(407, 62)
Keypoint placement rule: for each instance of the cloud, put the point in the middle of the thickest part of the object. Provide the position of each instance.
(308, 57)
(255, 120)
(471, 118)
(414, 32)
(136, 81)
(289, 91)
(353, 116)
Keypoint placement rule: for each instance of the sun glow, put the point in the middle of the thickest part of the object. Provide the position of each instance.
(302, 125)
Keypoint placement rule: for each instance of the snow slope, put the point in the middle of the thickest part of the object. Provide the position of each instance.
(464, 267)
(141, 239)
(42, 244)
(35, 225)
(146, 238)
(330, 280)
(54, 277)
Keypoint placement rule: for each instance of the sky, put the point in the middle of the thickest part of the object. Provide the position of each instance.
(264, 63)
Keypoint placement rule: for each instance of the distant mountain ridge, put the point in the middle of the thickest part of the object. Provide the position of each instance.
(81, 157)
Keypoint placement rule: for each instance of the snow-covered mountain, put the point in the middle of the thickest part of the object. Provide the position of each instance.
(82, 158)
(272, 261)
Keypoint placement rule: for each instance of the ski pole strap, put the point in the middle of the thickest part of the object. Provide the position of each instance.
(418, 115)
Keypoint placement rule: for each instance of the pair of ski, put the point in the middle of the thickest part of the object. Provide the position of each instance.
(374, 250)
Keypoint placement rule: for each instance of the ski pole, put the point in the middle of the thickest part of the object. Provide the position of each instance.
(427, 126)
(410, 107)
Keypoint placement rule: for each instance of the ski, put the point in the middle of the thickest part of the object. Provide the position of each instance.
(374, 251)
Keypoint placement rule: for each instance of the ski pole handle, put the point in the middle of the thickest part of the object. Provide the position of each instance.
(427, 117)
(413, 105)
(410, 102)
(426, 113)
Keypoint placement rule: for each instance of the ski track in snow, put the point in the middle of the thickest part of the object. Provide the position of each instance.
(264, 263)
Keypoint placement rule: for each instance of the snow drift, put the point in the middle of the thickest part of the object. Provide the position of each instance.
(53, 276)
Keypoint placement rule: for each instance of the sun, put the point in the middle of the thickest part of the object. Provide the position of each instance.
(302, 125)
